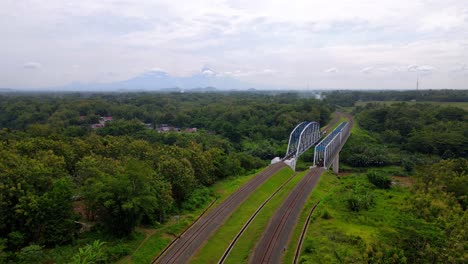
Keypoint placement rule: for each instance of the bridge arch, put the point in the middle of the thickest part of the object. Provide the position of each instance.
(304, 136)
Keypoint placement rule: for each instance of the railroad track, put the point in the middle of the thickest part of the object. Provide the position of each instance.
(330, 125)
(297, 254)
(276, 236)
(252, 217)
(185, 246)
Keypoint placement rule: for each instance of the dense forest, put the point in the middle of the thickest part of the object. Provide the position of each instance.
(120, 161)
(128, 172)
(407, 135)
(349, 98)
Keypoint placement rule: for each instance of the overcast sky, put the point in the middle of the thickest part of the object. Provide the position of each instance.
(351, 44)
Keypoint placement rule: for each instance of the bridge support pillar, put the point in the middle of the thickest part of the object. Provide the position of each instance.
(336, 164)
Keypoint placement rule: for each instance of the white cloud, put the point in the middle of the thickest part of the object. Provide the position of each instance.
(460, 68)
(367, 70)
(447, 19)
(331, 70)
(422, 68)
(32, 65)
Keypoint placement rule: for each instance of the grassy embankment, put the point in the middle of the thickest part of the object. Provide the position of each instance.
(339, 235)
(212, 251)
(157, 239)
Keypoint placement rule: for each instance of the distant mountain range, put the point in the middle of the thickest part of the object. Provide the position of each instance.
(156, 80)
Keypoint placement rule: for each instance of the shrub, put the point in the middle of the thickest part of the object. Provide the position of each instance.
(379, 180)
(359, 201)
(30, 254)
(326, 215)
(92, 253)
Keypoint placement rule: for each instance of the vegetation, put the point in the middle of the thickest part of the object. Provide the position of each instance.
(423, 223)
(406, 135)
(70, 193)
(349, 98)
(126, 174)
(370, 218)
(379, 180)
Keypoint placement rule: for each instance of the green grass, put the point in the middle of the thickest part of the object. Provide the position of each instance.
(246, 243)
(145, 253)
(162, 236)
(217, 244)
(463, 105)
(324, 187)
(347, 236)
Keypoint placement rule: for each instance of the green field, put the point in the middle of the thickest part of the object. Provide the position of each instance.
(212, 251)
(463, 105)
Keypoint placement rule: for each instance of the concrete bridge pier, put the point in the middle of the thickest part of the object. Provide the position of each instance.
(336, 164)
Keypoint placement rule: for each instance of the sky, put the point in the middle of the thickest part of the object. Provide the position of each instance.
(331, 44)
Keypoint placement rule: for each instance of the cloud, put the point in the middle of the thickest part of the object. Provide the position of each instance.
(367, 70)
(422, 68)
(446, 19)
(331, 70)
(251, 72)
(32, 65)
(460, 68)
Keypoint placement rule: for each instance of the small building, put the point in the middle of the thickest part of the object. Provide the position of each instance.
(167, 128)
(95, 126)
(148, 125)
(106, 118)
(191, 130)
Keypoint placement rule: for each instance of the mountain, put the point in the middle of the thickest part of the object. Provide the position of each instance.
(157, 80)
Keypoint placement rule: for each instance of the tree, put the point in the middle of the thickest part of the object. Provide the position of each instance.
(35, 200)
(122, 200)
(180, 174)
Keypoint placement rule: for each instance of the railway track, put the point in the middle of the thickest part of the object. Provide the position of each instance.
(185, 246)
(251, 218)
(334, 121)
(297, 254)
(276, 236)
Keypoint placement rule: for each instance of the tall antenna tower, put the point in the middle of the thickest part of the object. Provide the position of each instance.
(417, 83)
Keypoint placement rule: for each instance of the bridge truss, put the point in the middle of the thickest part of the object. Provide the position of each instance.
(330, 146)
(304, 136)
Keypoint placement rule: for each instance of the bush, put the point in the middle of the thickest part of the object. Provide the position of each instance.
(30, 254)
(199, 198)
(92, 253)
(326, 215)
(358, 202)
(359, 199)
(379, 180)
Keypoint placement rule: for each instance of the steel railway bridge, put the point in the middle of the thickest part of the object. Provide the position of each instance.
(307, 134)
